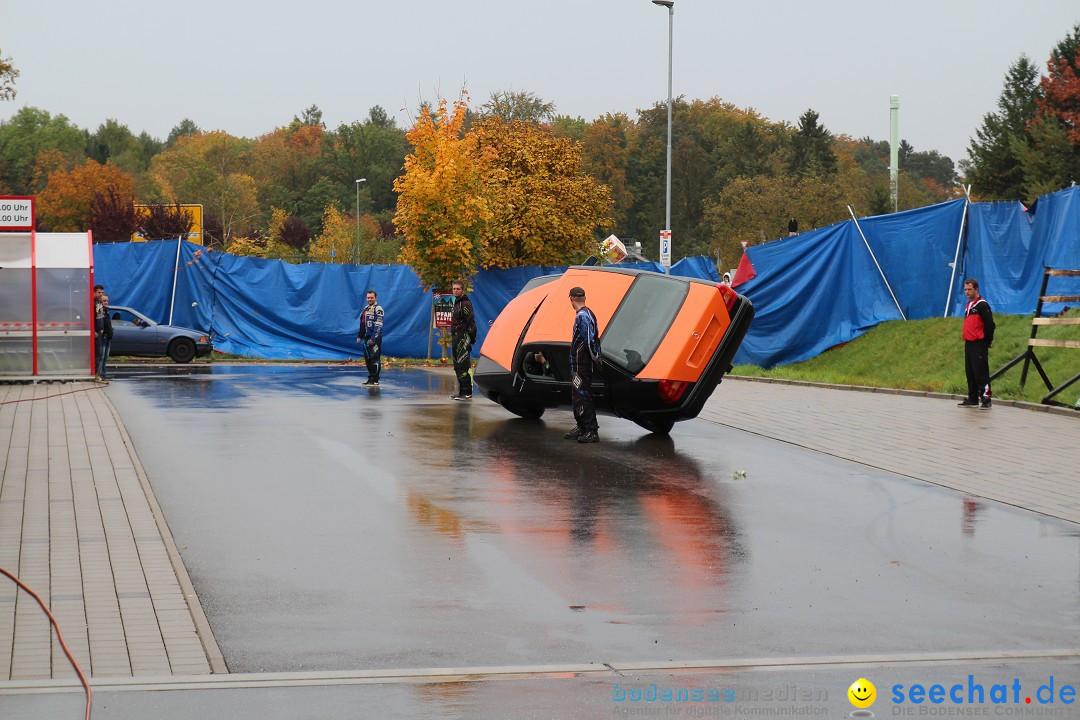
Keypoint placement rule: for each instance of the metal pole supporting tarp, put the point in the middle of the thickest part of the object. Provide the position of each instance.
(176, 270)
(876, 263)
(956, 257)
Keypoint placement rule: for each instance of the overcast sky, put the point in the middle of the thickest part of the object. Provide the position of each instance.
(249, 67)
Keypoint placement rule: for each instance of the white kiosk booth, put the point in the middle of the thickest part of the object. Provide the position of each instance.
(46, 301)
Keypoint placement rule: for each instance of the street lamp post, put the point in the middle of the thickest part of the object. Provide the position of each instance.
(357, 241)
(670, 5)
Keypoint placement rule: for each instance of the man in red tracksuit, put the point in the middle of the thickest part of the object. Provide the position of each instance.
(978, 336)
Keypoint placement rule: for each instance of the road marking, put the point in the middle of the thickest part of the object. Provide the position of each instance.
(237, 681)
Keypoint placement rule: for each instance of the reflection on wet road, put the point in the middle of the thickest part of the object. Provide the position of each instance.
(331, 526)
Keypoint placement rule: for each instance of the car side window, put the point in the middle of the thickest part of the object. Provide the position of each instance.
(642, 320)
(123, 317)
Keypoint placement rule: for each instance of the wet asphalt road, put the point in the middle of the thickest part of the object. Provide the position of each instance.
(327, 526)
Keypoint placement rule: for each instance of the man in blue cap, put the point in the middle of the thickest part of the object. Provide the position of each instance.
(584, 355)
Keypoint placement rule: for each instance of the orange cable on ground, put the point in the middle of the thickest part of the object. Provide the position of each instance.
(59, 635)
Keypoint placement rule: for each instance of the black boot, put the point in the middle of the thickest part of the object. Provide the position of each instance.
(575, 433)
(589, 436)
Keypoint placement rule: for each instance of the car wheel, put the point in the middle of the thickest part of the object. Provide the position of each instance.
(182, 350)
(655, 425)
(526, 410)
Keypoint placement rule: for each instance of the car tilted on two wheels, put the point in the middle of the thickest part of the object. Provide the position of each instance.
(666, 343)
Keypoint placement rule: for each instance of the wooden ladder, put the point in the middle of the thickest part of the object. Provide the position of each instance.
(1028, 356)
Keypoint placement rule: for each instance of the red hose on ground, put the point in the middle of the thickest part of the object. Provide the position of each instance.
(46, 397)
(59, 635)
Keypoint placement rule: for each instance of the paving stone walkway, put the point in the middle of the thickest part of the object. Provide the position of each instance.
(1014, 453)
(79, 525)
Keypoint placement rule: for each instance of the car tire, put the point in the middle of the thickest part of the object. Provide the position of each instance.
(529, 411)
(182, 350)
(655, 425)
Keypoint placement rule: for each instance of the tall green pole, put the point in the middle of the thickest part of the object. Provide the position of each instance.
(894, 150)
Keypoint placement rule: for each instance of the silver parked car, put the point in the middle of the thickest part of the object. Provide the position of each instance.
(136, 334)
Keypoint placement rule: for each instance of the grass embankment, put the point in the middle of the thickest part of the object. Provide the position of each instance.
(929, 355)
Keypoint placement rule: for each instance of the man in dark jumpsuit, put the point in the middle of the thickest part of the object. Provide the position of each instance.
(462, 337)
(370, 334)
(978, 336)
(584, 355)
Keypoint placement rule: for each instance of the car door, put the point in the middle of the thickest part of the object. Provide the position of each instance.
(131, 334)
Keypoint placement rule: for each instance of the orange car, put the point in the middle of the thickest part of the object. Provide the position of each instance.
(666, 344)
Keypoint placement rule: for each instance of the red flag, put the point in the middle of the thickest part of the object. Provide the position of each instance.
(744, 272)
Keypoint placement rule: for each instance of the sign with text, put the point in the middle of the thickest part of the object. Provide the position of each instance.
(16, 213)
(665, 248)
(195, 212)
(444, 309)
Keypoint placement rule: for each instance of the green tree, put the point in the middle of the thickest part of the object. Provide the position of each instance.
(1051, 160)
(994, 168)
(605, 154)
(115, 143)
(311, 117)
(286, 170)
(374, 149)
(811, 148)
(8, 74)
(756, 209)
(929, 165)
(211, 169)
(573, 128)
(29, 133)
(511, 105)
(747, 152)
(186, 128)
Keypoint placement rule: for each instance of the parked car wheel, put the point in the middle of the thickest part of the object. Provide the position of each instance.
(182, 350)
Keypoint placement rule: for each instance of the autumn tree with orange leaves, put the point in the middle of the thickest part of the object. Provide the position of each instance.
(545, 209)
(443, 208)
(65, 205)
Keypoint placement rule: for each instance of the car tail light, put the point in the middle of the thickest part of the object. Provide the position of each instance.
(672, 390)
(728, 294)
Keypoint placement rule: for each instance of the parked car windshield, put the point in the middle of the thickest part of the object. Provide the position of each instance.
(642, 320)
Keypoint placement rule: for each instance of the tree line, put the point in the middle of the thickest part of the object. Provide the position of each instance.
(511, 181)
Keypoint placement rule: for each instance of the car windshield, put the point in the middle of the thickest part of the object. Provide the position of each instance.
(642, 320)
(537, 282)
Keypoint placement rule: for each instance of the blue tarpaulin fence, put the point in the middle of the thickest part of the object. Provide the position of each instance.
(810, 292)
(821, 288)
(280, 311)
